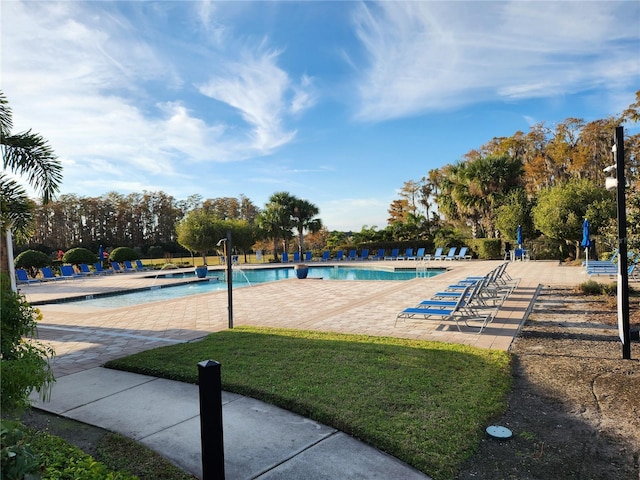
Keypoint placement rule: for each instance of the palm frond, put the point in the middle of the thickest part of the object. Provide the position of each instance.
(6, 117)
(16, 208)
(29, 154)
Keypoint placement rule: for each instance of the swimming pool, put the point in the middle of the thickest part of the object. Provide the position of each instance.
(247, 277)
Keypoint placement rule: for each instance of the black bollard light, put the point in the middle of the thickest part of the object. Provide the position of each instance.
(211, 435)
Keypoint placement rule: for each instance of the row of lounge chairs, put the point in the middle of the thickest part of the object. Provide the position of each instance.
(475, 299)
(607, 267)
(67, 272)
(610, 267)
(409, 254)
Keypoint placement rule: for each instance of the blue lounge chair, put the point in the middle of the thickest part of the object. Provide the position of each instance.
(68, 272)
(418, 256)
(394, 254)
(140, 267)
(326, 255)
(452, 254)
(99, 270)
(116, 267)
(601, 267)
(352, 255)
(380, 254)
(48, 275)
(407, 254)
(285, 257)
(444, 312)
(436, 256)
(296, 257)
(128, 268)
(85, 270)
(308, 256)
(462, 254)
(339, 255)
(24, 278)
(365, 254)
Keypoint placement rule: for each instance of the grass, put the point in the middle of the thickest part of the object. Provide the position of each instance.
(426, 403)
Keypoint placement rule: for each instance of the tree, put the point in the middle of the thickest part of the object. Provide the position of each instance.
(514, 212)
(26, 154)
(199, 232)
(275, 220)
(410, 192)
(243, 235)
(24, 362)
(560, 210)
(398, 211)
(303, 215)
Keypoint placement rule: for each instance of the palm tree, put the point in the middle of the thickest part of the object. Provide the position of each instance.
(25, 154)
(275, 219)
(302, 214)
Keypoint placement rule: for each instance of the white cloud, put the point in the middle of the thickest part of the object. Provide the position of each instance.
(85, 77)
(426, 56)
(257, 88)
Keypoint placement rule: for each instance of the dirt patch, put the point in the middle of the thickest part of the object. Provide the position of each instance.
(575, 407)
(86, 437)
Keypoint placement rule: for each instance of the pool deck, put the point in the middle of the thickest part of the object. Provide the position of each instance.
(85, 338)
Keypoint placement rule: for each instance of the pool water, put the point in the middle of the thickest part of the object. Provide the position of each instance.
(247, 277)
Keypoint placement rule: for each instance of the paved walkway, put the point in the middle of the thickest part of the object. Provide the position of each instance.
(85, 338)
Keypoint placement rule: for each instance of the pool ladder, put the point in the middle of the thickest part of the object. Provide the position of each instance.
(422, 268)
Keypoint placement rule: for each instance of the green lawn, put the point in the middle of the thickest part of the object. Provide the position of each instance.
(426, 403)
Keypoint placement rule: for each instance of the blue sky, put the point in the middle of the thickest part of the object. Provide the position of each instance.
(336, 102)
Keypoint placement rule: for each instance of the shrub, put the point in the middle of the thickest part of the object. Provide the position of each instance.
(24, 362)
(122, 254)
(79, 255)
(32, 260)
(486, 248)
(590, 287)
(17, 459)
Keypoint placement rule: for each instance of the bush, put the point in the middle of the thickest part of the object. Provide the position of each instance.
(79, 255)
(592, 287)
(122, 254)
(17, 460)
(486, 248)
(24, 362)
(32, 260)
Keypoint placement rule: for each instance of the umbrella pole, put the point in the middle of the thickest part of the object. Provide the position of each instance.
(586, 250)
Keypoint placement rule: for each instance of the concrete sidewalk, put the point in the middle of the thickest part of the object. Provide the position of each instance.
(261, 441)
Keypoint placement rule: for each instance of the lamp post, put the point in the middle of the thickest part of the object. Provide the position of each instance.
(227, 251)
(619, 183)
